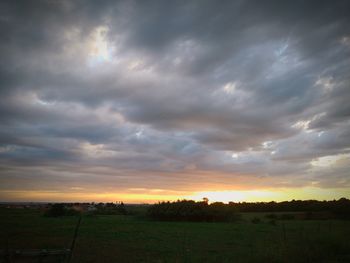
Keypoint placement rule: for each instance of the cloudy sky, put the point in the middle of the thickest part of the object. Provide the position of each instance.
(157, 100)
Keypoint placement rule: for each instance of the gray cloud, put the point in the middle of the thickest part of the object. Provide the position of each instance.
(173, 91)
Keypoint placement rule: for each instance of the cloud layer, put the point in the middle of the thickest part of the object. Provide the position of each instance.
(174, 96)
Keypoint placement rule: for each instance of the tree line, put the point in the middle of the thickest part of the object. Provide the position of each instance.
(188, 210)
(341, 206)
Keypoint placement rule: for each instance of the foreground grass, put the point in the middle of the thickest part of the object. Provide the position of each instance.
(129, 239)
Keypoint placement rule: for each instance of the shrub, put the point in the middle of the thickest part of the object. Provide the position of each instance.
(57, 210)
(192, 211)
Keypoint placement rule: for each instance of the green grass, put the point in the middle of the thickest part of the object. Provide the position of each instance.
(131, 239)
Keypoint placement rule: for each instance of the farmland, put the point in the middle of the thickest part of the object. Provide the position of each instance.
(119, 238)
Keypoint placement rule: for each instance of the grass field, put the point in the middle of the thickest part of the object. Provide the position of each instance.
(131, 239)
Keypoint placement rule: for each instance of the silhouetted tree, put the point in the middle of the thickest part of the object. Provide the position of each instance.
(188, 210)
(57, 210)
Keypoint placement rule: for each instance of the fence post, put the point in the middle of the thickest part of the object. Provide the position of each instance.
(74, 239)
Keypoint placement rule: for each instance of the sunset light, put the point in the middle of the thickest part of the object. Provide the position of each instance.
(99, 48)
(179, 131)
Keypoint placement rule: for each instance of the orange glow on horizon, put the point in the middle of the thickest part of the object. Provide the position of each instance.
(156, 195)
(237, 196)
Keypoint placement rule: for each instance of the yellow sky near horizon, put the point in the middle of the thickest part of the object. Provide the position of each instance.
(156, 195)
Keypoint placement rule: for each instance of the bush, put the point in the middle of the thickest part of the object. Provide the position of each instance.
(192, 211)
(57, 210)
(341, 209)
(111, 209)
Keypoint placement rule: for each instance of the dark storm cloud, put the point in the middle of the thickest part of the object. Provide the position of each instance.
(173, 87)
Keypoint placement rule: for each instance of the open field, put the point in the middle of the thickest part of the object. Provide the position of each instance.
(132, 239)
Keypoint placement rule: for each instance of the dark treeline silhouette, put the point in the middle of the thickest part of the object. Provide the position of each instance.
(340, 208)
(56, 210)
(187, 210)
(110, 209)
(68, 209)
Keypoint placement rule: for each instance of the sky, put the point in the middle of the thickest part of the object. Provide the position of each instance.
(143, 101)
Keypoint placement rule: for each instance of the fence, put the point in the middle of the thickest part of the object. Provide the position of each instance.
(40, 255)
